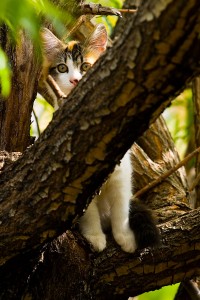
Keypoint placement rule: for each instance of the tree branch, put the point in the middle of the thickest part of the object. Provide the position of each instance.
(37, 123)
(166, 174)
(127, 10)
(98, 9)
(113, 268)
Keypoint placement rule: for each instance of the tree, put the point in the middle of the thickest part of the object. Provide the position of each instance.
(45, 190)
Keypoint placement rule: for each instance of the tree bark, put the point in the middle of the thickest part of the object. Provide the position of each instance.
(81, 138)
(46, 189)
(196, 93)
(121, 275)
(15, 111)
(78, 253)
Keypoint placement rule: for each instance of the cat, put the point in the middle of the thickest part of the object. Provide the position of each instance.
(67, 63)
(113, 206)
(111, 209)
(133, 225)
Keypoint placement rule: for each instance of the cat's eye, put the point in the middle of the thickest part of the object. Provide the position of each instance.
(62, 68)
(85, 66)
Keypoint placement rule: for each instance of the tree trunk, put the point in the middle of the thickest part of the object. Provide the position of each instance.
(45, 190)
(196, 93)
(15, 112)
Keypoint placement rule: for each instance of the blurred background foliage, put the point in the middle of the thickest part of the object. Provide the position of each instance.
(179, 118)
(26, 14)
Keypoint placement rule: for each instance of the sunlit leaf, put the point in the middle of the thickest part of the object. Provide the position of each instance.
(165, 293)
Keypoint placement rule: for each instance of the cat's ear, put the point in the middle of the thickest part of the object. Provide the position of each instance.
(50, 43)
(96, 43)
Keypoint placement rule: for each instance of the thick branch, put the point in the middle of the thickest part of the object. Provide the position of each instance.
(120, 274)
(45, 189)
(165, 206)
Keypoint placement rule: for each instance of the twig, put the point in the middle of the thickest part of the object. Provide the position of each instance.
(130, 11)
(56, 89)
(98, 9)
(166, 174)
(37, 123)
(81, 20)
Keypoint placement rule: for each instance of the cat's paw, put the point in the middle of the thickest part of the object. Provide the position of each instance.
(126, 240)
(98, 241)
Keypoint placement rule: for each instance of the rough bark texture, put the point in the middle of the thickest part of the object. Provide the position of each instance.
(44, 190)
(65, 160)
(153, 155)
(70, 251)
(196, 92)
(121, 275)
(15, 112)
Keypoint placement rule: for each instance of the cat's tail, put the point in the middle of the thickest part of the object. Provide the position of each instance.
(143, 225)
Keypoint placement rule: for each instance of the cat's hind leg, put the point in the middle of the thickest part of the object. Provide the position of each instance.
(121, 230)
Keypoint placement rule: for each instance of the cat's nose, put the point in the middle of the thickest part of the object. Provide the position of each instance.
(74, 81)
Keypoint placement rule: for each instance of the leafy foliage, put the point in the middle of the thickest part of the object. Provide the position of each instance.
(25, 15)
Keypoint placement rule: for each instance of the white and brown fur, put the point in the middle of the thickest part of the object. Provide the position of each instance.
(113, 206)
(75, 57)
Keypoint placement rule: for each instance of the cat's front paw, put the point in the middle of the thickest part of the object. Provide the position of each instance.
(126, 240)
(98, 241)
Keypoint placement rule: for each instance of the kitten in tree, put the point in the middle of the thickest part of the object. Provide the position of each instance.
(65, 64)
(131, 223)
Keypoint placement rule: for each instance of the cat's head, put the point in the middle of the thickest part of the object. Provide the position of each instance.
(67, 63)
